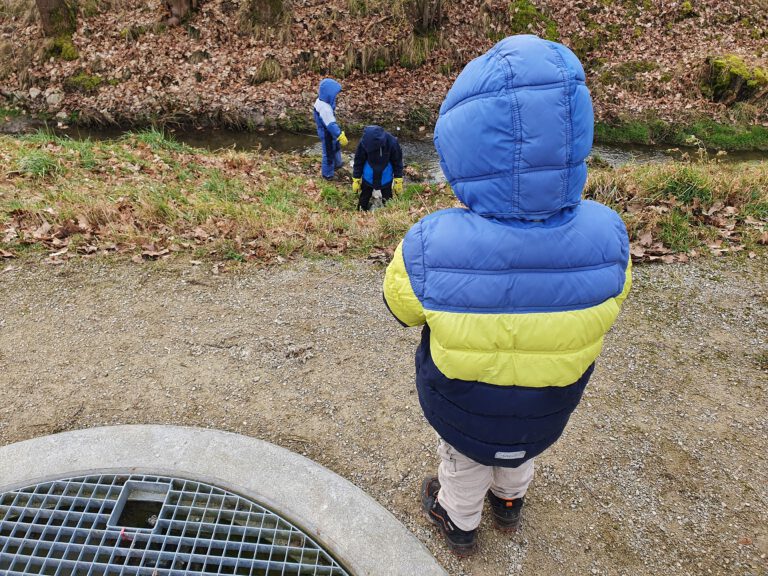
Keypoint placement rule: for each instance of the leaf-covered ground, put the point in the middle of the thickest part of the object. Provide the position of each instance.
(644, 59)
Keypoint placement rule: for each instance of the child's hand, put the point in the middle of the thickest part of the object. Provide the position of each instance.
(342, 139)
(397, 185)
(357, 184)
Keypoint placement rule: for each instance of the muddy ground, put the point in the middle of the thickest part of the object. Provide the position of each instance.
(662, 470)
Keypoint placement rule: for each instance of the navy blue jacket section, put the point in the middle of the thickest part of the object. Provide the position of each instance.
(378, 158)
(484, 422)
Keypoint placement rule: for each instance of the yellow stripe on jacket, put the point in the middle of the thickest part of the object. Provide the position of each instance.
(533, 349)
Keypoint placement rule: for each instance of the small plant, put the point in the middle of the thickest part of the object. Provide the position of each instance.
(262, 14)
(675, 232)
(39, 164)
(686, 10)
(417, 117)
(158, 139)
(268, 71)
(425, 15)
(761, 361)
(685, 184)
(62, 47)
(83, 82)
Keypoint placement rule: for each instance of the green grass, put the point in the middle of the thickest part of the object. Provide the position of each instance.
(147, 189)
(685, 183)
(157, 140)
(675, 231)
(38, 164)
(712, 134)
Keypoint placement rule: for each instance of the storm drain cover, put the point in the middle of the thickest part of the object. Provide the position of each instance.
(149, 526)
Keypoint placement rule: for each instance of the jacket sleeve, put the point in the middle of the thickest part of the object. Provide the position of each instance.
(398, 293)
(397, 160)
(360, 157)
(328, 118)
(627, 284)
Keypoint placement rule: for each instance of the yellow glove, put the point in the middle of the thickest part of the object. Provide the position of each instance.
(397, 185)
(357, 184)
(342, 139)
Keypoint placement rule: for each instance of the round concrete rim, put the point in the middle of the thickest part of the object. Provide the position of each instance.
(365, 537)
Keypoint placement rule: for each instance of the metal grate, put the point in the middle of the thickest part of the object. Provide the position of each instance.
(137, 525)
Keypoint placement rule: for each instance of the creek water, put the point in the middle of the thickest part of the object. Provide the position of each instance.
(419, 153)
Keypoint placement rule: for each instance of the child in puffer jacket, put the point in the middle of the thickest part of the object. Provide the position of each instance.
(517, 289)
(332, 137)
(378, 165)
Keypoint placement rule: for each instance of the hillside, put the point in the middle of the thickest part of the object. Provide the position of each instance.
(648, 62)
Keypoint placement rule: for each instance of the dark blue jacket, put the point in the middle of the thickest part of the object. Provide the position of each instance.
(378, 158)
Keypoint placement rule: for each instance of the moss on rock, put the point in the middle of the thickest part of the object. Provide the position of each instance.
(62, 47)
(729, 79)
(84, 82)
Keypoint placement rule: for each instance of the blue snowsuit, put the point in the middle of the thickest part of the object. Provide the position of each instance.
(517, 290)
(327, 128)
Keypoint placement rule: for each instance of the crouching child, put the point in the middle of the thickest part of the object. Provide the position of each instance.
(378, 166)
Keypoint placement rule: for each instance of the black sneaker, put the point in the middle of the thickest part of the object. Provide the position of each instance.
(460, 542)
(506, 513)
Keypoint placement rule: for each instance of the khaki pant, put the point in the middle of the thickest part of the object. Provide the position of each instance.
(464, 483)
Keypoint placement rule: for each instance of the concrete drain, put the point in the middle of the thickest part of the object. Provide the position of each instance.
(148, 525)
(175, 501)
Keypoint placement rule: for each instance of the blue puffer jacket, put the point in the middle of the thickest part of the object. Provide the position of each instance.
(325, 108)
(378, 158)
(518, 289)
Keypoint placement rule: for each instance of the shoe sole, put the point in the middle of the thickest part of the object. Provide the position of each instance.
(505, 529)
(459, 551)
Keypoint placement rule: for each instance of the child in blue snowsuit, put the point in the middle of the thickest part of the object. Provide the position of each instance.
(332, 138)
(378, 166)
(516, 290)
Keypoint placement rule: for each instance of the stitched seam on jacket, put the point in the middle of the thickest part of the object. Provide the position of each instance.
(492, 93)
(568, 125)
(546, 439)
(526, 270)
(522, 352)
(548, 415)
(512, 172)
(519, 310)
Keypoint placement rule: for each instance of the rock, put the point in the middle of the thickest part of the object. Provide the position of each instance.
(98, 65)
(54, 98)
(61, 115)
(198, 56)
(34, 93)
(21, 125)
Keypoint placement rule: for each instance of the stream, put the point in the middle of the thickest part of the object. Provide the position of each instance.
(418, 153)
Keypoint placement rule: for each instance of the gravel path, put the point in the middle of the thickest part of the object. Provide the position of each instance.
(663, 469)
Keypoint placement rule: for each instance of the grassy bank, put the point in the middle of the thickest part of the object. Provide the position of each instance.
(711, 134)
(148, 196)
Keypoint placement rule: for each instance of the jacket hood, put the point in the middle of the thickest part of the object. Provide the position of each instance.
(328, 91)
(515, 128)
(374, 139)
